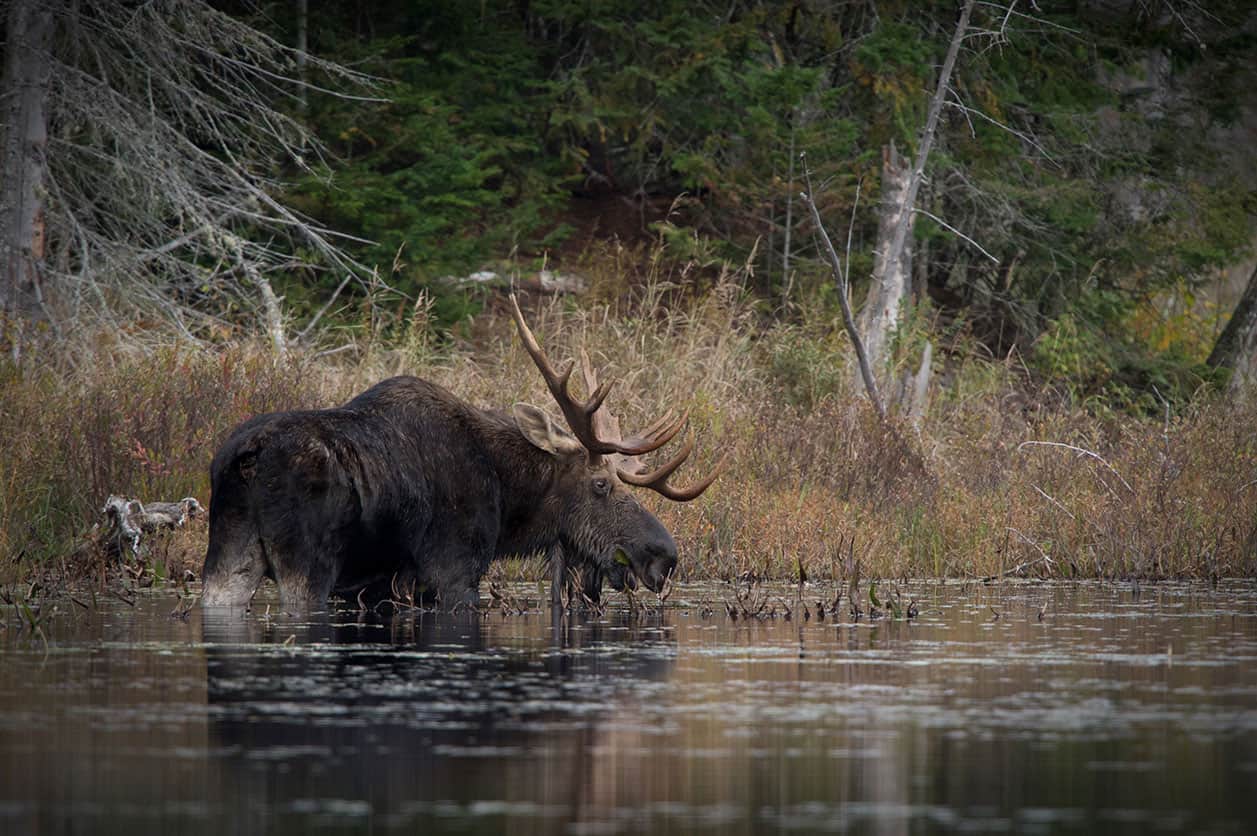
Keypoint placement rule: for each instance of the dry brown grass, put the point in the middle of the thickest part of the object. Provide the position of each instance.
(969, 492)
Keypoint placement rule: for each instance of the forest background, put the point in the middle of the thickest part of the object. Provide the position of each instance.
(241, 207)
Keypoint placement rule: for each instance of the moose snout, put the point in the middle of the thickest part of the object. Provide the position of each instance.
(659, 565)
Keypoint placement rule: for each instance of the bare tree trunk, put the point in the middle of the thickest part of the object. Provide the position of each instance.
(785, 256)
(892, 271)
(1236, 348)
(303, 24)
(918, 390)
(272, 311)
(27, 65)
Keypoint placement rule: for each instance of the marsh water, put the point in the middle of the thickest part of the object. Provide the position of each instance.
(1081, 708)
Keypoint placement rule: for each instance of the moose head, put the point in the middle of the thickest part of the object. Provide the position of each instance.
(600, 521)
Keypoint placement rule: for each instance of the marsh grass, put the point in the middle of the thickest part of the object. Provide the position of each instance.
(968, 493)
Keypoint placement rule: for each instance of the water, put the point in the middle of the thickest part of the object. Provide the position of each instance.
(1118, 712)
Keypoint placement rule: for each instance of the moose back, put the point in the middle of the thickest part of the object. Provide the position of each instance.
(408, 490)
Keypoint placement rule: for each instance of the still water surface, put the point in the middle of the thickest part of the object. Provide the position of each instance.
(1119, 712)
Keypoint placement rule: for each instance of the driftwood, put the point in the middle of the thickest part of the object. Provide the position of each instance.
(544, 281)
(128, 520)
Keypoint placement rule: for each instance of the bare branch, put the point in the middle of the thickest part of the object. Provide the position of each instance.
(946, 225)
(848, 319)
(1024, 137)
(158, 192)
(326, 305)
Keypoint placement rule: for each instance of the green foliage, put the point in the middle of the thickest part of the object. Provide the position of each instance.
(1070, 352)
(894, 63)
(1097, 354)
(451, 169)
(498, 115)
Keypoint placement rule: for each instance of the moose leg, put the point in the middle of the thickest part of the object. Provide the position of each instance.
(301, 589)
(236, 576)
(453, 559)
(455, 578)
(591, 583)
(308, 513)
(558, 576)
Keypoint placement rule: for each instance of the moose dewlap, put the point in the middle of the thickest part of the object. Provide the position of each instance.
(406, 489)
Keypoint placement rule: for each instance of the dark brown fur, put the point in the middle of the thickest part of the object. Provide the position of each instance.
(407, 487)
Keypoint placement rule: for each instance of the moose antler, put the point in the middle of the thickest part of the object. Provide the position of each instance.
(631, 469)
(604, 422)
(580, 414)
(657, 480)
(600, 433)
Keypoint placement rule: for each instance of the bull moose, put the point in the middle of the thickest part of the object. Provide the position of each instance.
(409, 486)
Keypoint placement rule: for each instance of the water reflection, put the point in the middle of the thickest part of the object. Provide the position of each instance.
(408, 719)
(1115, 712)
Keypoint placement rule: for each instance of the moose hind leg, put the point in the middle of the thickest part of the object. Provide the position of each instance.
(308, 519)
(300, 591)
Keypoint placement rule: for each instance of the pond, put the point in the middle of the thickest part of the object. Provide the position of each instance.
(1081, 708)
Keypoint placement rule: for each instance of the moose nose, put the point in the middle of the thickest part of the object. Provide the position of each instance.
(658, 573)
(661, 563)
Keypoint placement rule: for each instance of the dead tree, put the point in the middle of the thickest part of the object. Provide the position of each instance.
(152, 195)
(892, 259)
(892, 264)
(1236, 348)
(27, 65)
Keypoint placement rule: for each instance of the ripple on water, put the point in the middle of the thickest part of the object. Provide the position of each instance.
(1116, 713)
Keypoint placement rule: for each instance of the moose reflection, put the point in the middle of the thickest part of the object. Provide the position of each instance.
(401, 715)
(408, 487)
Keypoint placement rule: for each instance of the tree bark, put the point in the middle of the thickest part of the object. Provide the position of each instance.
(1236, 348)
(27, 65)
(892, 272)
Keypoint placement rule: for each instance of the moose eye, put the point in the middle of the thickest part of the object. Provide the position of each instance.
(602, 487)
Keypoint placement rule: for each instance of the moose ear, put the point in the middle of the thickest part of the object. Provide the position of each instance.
(542, 432)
